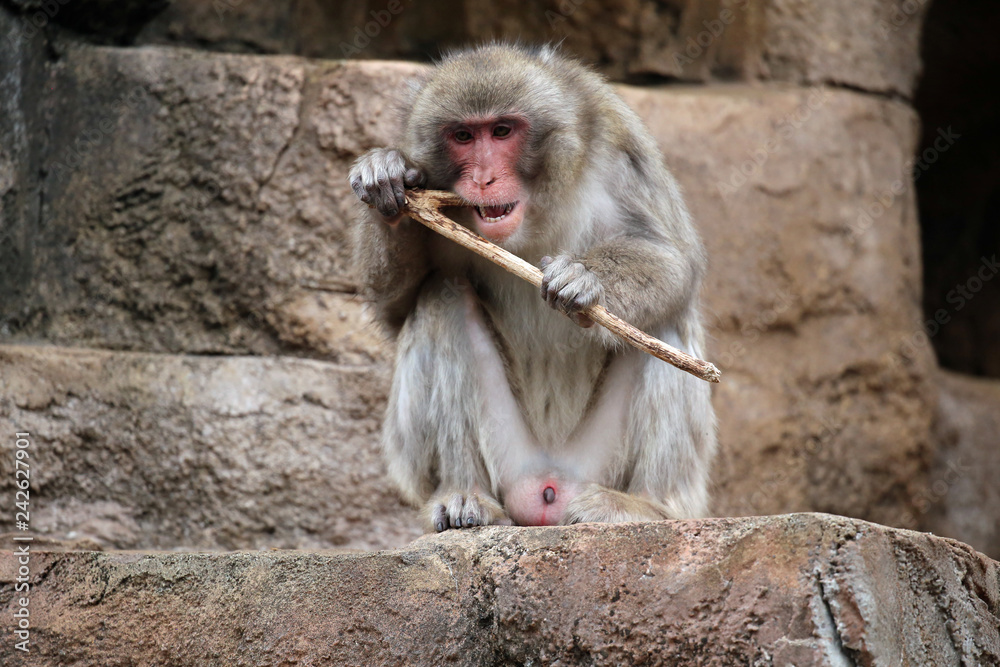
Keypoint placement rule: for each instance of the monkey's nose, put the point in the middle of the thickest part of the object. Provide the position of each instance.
(483, 179)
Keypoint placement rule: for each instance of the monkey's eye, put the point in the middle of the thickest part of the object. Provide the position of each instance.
(501, 131)
(463, 136)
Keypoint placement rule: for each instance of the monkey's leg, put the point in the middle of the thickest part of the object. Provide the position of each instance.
(603, 505)
(672, 434)
(435, 425)
(668, 440)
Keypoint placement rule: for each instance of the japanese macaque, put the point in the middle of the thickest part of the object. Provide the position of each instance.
(508, 406)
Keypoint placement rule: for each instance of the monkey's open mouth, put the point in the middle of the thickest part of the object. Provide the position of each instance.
(495, 213)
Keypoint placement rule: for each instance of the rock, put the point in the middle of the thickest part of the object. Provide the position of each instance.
(812, 293)
(22, 66)
(873, 47)
(209, 217)
(160, 451)
(963, 497)
(787, 590)
(221, 227)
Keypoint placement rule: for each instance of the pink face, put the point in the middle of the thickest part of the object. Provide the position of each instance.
(486, 150)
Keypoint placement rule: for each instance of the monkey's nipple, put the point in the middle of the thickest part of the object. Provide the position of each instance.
(549, 495)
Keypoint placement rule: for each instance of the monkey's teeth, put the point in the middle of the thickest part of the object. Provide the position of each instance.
(507, 208)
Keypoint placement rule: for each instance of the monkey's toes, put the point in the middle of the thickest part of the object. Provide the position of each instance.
(459, 510)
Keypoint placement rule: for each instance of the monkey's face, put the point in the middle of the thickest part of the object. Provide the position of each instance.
(485, 152)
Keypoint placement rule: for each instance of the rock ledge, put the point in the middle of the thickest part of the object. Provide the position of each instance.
(804, 589)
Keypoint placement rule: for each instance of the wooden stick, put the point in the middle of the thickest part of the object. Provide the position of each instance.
(424, 206)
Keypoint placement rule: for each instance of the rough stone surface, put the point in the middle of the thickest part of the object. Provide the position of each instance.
(871, 47)
(963, 497)
(196, 204)
(786, 590)
(813, 294)
(209, 216)
(22, 64)
(160, 451)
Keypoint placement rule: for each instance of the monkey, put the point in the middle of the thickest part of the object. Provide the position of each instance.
(508, 406)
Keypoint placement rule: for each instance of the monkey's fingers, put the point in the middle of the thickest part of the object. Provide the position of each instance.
(377, 178)
(568, 286)
(414, 178)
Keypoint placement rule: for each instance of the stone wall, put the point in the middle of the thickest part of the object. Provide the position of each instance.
(182, 213)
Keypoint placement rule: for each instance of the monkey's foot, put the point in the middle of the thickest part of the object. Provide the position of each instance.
(603, 505)
(464, 510)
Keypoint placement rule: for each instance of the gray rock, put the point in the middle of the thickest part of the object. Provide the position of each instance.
(198, 203)
(159, 451)
(872, 47)
(962, 497)
(787, 590)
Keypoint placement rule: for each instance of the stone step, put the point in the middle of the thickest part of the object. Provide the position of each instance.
(805, 589)
(132, 450)
(197, 203)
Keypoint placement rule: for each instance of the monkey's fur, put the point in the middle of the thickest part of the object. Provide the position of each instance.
(496, 396)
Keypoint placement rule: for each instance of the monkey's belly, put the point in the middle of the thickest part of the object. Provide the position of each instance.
(539, 500)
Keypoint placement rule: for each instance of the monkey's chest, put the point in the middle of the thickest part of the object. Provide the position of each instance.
(554, 369)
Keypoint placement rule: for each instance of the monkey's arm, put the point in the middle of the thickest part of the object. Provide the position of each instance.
(646, 282)
(389, 248)
(392, 264)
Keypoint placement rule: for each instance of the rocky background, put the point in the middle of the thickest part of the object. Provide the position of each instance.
(181, 337)
(179, 329)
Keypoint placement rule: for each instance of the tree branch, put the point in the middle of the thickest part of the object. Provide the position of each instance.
(424, 206)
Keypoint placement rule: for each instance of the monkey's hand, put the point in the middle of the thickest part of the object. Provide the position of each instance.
(379, 178)
(465, 510)
(570, 287)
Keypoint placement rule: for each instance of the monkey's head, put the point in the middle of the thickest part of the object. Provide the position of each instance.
(500, 127)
